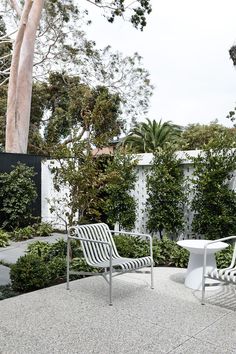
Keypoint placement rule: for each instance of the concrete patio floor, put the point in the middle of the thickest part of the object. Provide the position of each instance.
(169, 319)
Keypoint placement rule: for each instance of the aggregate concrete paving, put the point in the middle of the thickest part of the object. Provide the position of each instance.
(168, 319)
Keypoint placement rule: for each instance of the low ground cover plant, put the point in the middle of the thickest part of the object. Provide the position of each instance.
(42, 229)
(165, 252)
(4, 238)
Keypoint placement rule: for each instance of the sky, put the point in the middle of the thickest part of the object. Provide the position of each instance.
(185, 48)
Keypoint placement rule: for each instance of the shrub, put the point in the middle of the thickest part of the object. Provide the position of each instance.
(57, 268)
(17, 192)
(25, 233)
(4, 238)
(43, 229)
(223, 258)
(44, 265)
(58, 249)
(38, 268)
(133, 247)
(166, 193)
(214, 203)
(169, 254)
(165, 252)
(80, 265)
(39, 248)
(21, 234)
(29, 273)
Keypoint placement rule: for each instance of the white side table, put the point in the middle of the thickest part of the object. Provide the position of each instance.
(193, 279)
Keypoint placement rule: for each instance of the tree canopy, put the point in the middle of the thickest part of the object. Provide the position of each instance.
(196, 136)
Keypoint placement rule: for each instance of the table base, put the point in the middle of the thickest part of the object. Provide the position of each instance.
(193, 279)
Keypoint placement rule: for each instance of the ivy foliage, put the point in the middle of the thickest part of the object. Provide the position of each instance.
(17, 193)
(166, 195)
(214, 203)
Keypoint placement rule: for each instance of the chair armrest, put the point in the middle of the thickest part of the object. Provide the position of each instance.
(215, 241)
(220, 240)
(136, 234)
(130, 233)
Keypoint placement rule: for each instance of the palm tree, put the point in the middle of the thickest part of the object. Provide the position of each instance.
(150, 135)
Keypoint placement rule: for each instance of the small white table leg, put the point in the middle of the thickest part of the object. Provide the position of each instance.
(193, 277)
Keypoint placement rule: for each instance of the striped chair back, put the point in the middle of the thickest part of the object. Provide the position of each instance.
(95, 253)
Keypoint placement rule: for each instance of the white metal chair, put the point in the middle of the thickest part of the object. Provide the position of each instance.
(100, 251)
(226, 275)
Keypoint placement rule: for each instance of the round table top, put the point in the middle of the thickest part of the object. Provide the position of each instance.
(197, 246)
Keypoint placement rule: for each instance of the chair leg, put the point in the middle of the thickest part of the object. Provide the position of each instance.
(68, 265)
(110, 286)
(152, 280)
(203, 290)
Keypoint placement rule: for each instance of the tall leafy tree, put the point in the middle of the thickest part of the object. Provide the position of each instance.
(166, 193)
(119, 205)
(98, 186)
(214, 203)
(149, 136)
(196, 136)
(57, 16)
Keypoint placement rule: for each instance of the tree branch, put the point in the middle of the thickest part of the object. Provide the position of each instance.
(101, 6)
(4, 81)
(16, 7)
(5, 56)
(7, 36)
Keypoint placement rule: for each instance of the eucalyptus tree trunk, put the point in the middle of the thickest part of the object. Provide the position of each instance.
(20, 81)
